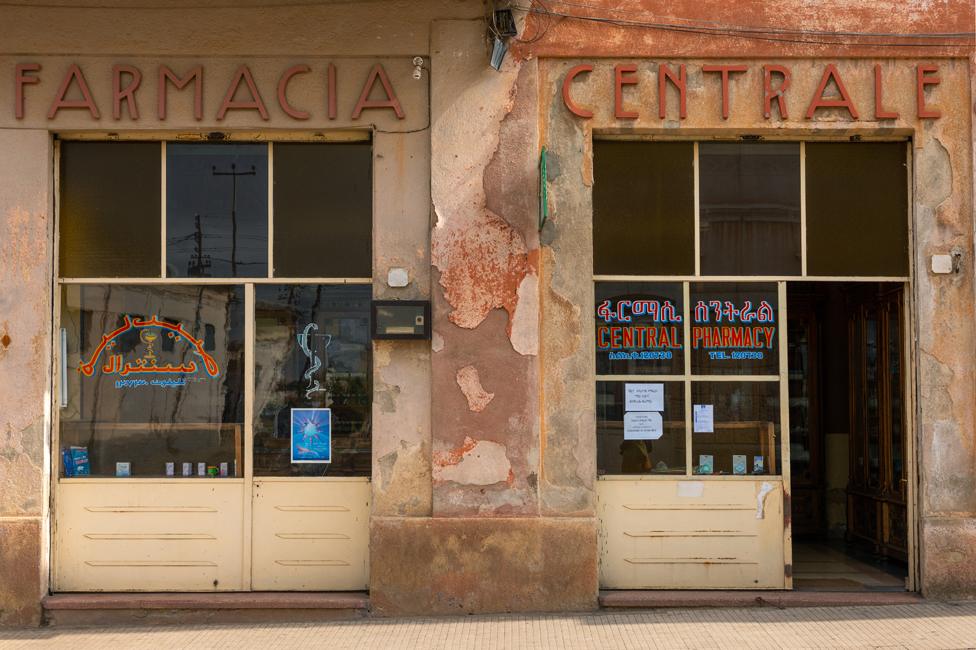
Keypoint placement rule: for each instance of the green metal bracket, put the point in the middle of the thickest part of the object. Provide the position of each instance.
(543, 190)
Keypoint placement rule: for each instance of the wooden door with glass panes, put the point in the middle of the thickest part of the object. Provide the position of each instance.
(693, 394)
(310, 517)
(877, 491)
(213, 399)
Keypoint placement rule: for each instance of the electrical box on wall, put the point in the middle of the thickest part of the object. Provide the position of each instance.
(401, 319)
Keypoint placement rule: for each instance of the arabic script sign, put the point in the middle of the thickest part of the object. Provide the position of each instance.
(146, 369)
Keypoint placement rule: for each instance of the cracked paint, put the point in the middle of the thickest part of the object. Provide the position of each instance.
(470, 383)
(524, 324)
(481, 462)
(483, 258)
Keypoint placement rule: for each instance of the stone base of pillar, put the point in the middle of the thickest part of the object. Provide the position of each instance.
(424, 566)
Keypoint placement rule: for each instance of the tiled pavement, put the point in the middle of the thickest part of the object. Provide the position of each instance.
(925, 625)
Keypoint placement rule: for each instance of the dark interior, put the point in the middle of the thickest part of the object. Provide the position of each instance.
(847, 436)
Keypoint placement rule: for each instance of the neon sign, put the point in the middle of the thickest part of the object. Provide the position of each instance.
(728, 331)
(314, 361)
(149, 332)
(624, 340)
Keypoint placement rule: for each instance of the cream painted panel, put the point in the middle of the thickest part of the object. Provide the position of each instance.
(145, 535)
(310, 535)
(660, 534)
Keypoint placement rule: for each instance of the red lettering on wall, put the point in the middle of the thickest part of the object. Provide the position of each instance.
(391, 100)
(74, 74)
(21, 78)
(332, 91)
(665, 74)
(619, 81)
(286, 76)
(567, 82)
(922, 80)
(195, 75)
(818, 101)
(770, 93)
(243, 73)
(879, 112)
(128, 93)
(726, 71)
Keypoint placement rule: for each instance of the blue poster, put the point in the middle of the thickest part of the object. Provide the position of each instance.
(311, 435)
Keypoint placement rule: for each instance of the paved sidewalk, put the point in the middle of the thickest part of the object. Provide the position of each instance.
(927, 625)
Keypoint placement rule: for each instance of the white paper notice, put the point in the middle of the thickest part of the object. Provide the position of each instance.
(644, 397)
(704, 417)
(643, 426)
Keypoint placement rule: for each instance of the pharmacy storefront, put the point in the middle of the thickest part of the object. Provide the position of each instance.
(213, 366)
(360, 316)
(767, 282)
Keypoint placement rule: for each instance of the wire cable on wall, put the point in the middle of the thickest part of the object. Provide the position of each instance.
(781, 35)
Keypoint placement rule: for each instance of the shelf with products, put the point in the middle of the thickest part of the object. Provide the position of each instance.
(151, 450)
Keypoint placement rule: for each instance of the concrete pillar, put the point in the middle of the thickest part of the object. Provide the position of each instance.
(502, 537)
(26, 240)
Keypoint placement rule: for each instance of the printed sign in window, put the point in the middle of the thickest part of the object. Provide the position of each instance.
(311, 435)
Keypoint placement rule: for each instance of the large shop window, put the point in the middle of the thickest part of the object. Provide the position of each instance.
(189, 297)
(690, 287)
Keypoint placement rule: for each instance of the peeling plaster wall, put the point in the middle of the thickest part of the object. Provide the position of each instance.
(504, 535)
(567, 37)
(26, 238)
(484, 251)
(943, 223)
(401, 369)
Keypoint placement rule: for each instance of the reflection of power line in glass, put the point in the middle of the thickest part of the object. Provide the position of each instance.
(233, 173)
(199, 264)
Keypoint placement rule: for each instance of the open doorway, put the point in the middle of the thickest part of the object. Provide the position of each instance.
(848, 449)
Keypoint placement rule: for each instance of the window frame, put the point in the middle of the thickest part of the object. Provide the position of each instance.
(246, 475)
(780, 280)
(688, 378)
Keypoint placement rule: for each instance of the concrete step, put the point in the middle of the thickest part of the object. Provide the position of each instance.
(646, 599)
(88, 609)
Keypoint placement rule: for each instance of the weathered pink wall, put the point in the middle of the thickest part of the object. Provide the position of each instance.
(26, 240)
(484, 452)
(568, 37)
(945, 418)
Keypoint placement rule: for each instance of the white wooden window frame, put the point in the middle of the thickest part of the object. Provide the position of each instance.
(909, 324)
(247, 283)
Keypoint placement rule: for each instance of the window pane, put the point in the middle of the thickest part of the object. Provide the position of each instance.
(216, 210)
(109, 212)
(323, 210)
(736, 427)
(734, 328)
(749, 208)
(312, 352)
(643, 208)
(639, 328)
(857, 208)
(147, 386)
(631, 440)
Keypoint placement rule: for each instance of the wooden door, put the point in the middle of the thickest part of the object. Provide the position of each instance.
(877, 492)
